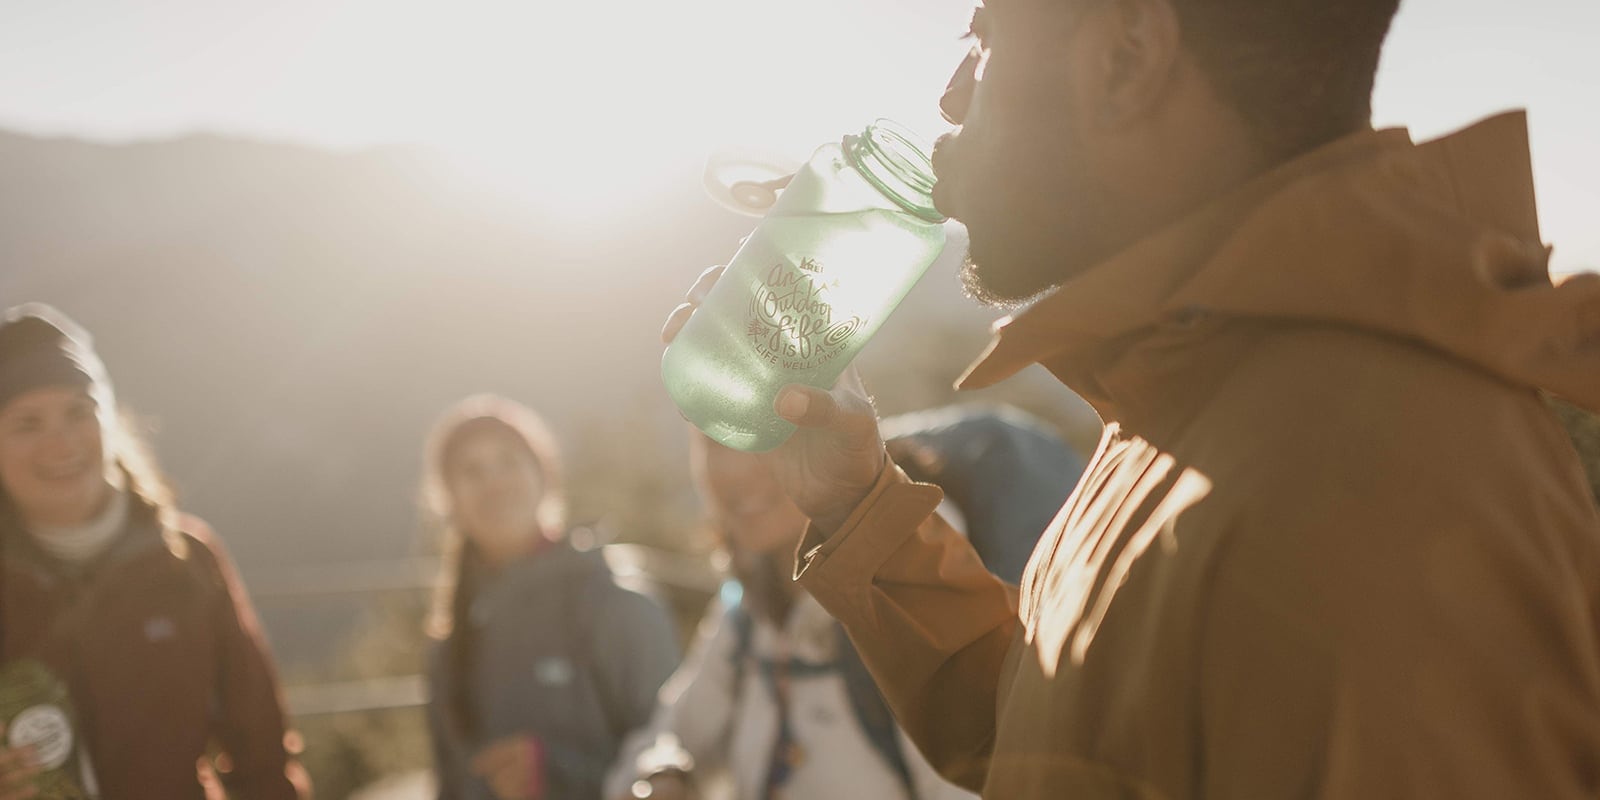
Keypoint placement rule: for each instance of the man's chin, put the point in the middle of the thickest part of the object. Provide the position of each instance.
(1003, 284)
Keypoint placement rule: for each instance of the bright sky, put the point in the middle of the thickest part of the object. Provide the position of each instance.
(577, 100)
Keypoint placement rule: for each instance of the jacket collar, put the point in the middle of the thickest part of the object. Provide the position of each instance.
(1436, 242)
(141, 533)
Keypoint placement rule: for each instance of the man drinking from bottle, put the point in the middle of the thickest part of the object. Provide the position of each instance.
(1333, 543)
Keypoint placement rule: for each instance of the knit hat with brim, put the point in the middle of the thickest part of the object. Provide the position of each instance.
(42, 347)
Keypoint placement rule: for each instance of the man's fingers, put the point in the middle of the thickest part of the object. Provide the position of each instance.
(807, 407)
(846, 407)
(702, 285)
(691, 301)
(675, 322)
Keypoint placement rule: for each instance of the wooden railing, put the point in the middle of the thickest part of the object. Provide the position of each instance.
(638, 567)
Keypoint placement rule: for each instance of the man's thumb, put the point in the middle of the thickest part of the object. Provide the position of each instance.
(807, 406)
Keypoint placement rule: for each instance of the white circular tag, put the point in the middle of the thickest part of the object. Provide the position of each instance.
(47, 729)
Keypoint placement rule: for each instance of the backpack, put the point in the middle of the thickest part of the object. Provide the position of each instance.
(867, 703)
(1002, 468)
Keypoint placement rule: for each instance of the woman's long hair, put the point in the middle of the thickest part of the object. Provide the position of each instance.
(460, 564)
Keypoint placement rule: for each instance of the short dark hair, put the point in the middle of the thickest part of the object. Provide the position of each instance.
(1300, 72)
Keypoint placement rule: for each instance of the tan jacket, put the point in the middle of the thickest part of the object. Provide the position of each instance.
(1333, 544)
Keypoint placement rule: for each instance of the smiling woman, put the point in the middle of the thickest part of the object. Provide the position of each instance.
(52, 458)
(519, 599)
(91, 547)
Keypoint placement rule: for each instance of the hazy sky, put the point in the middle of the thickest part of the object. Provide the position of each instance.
(574, 100)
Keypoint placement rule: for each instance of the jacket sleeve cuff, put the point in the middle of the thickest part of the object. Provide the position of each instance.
(844, 564)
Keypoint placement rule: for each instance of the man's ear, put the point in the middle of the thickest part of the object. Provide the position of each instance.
(1136, 65)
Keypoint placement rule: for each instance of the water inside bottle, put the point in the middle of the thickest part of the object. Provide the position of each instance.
(818, 290)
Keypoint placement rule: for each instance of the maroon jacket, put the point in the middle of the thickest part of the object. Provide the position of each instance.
(162, 653)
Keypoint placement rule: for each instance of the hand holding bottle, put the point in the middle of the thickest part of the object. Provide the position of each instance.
(851, 233)
(835, 456)
(38, 736)
(18, 766)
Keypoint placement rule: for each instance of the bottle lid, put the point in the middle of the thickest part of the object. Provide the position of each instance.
(747, 181)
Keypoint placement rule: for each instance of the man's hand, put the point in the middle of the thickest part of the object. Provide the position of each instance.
(17, 769)
(513, 767)
(830, 464)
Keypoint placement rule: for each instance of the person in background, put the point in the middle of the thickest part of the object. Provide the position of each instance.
(134, 605)
(772, 700)
(544, 663)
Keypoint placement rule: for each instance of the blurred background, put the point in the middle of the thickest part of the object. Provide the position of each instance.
(300, 229)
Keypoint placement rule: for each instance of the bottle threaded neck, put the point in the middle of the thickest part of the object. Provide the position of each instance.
(896, 162)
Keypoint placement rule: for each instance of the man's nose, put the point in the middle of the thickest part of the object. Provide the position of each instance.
(958, 93)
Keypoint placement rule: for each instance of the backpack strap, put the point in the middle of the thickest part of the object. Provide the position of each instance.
(585, 591)
(744, 632)
(866, 703)
(872, 711)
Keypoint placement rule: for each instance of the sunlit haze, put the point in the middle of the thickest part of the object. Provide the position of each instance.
(577, 104)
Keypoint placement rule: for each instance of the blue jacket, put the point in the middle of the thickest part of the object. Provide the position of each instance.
(564, 654)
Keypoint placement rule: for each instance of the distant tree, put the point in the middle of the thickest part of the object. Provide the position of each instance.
(629, 479)
(346, 751)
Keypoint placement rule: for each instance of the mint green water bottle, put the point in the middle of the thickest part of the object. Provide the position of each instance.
(38, 713)
(841, 247)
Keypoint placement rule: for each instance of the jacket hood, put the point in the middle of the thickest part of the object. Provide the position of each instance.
(1437, 243)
